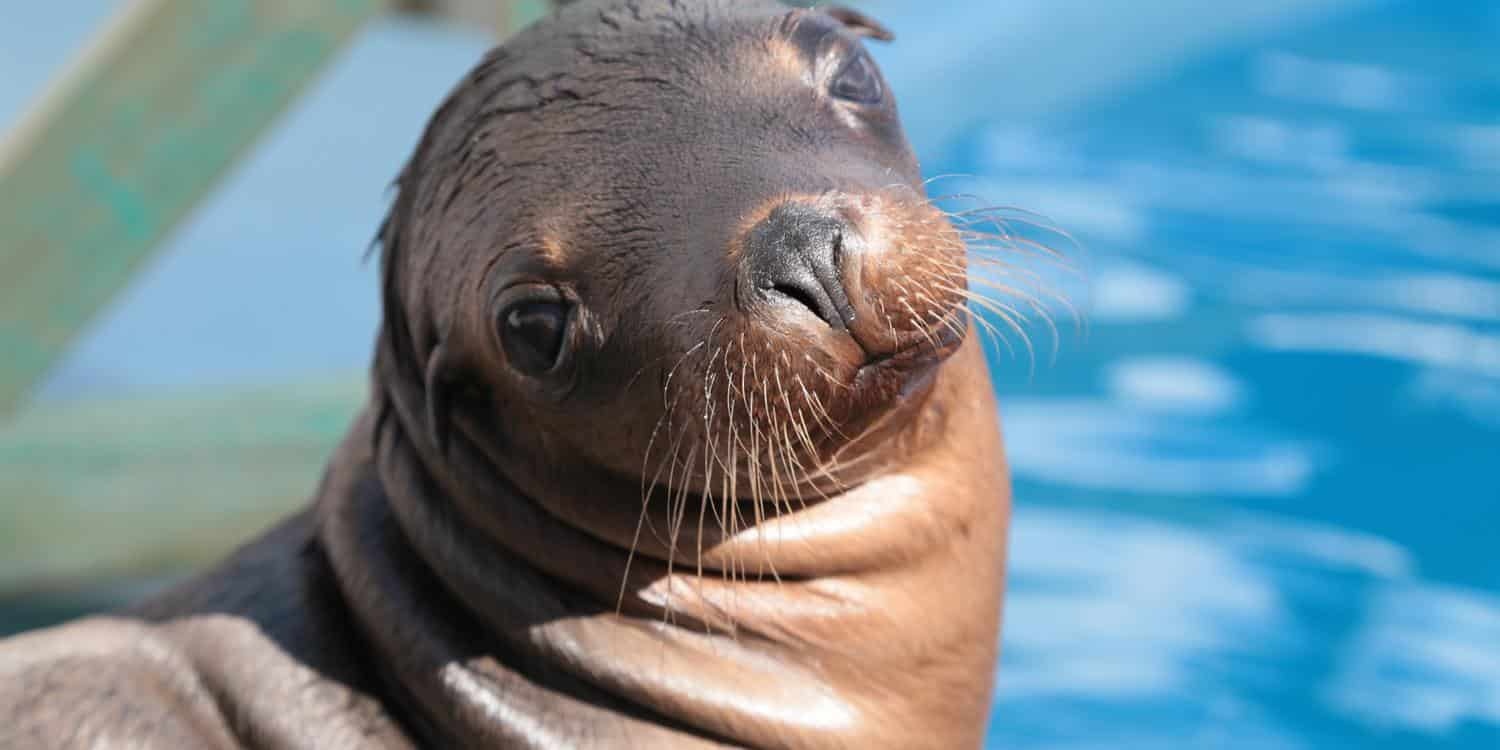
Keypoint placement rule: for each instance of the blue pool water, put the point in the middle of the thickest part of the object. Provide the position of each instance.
(1257, 503)
(1257, 497)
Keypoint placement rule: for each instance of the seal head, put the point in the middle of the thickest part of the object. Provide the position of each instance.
(639, 226)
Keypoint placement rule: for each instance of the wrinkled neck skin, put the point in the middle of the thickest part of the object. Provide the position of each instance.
(500, 622)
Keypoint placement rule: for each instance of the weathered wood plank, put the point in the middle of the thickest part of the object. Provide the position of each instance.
(158, 485)
(121, 148)
(128, 141)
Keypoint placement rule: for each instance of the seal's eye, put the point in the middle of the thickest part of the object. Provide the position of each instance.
(532, 333)
(857, 82)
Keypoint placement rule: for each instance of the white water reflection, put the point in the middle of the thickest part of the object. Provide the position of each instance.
(1181, 628)
(1104, 444)
(1478, 145)
(1124, 292)
(1476, 398)
(1318, 146)
(1447, 346)
(1354, 85)
(1300, 175)
(1009, 147)
(1112, 606)
(1442, 294)
(1328, 548)
(1086, 207)
(1427, 658)
(1174, 384)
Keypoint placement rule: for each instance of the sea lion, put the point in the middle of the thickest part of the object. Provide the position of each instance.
(678, 436)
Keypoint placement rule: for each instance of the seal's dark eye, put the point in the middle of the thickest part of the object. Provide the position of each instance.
(857, 82)
(532, 333)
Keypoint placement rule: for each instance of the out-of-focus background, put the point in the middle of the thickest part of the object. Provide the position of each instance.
(1257, 496)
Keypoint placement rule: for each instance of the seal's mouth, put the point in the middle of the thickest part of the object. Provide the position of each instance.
(915, 366)
(930, 349)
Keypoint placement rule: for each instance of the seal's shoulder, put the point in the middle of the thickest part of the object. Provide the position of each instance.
(257, 651)
(103, 681)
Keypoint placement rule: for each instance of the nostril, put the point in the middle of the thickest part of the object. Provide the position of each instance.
(793, 256)
(790, 278)
(801, 296)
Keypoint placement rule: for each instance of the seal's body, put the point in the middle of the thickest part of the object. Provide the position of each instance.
(678, 436)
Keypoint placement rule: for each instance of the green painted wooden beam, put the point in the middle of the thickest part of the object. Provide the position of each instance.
(502, 17)
(130, 138)
(121, 148)
(141, 487)
(167, 97)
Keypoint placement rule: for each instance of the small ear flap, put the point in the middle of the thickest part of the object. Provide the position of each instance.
(438, 398)
(858, 22)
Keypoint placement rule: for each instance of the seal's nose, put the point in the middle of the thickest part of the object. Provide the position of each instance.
(794, 256)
